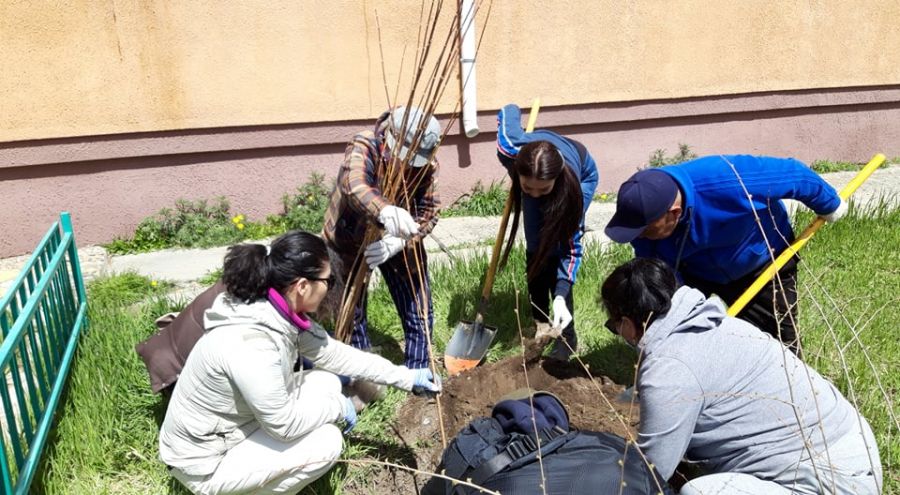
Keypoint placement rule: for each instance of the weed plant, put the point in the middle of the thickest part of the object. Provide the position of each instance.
(189, 224)
(828, 166)
(481, 202)
(203, 224)
(305, 209)
(659, 159)
(211, 277)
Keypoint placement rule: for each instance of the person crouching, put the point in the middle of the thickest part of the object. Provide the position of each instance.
(718, 392)
(241, 419)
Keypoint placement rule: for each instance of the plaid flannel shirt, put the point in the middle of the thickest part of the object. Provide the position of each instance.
(357, 200)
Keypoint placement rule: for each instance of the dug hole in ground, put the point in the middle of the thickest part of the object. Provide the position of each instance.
(474, 393)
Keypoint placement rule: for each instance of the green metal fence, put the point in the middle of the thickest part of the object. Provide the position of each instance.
(41, 317)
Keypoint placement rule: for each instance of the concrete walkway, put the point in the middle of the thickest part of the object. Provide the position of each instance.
(464, 236)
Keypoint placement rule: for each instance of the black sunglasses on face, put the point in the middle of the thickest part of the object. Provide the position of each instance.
(612, 324)
(329, 281)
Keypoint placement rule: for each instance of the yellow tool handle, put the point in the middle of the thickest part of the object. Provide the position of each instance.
(801, 241)
(501, 233)
(532, 116)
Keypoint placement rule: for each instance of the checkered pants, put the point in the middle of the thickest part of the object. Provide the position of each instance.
(411, 293)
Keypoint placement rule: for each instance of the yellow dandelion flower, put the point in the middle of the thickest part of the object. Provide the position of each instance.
(153, 283)
(240, 226)
(604, 196)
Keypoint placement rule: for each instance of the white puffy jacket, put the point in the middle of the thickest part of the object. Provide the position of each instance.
(239, 377)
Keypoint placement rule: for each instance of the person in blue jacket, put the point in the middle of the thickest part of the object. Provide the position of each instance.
(553, 183)
(719, 221)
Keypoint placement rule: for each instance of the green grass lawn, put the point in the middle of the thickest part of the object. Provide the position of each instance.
(106, 438)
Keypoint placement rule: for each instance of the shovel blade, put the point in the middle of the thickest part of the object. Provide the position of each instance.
(468, 346)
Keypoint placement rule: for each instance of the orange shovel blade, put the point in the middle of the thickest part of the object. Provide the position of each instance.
(468, 346)
(456, 365)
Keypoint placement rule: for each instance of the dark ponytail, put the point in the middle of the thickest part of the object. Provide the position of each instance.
(562, 209)
(249, 271)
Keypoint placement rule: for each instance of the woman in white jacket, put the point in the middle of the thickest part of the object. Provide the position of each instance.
(241, 419)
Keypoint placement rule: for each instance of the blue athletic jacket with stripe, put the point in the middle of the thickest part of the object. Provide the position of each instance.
(717, 238)
(510, 138)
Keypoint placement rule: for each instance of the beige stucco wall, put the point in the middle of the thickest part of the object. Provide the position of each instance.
(88, 67)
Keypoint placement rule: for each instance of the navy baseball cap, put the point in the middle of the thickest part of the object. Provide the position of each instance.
(644, 198)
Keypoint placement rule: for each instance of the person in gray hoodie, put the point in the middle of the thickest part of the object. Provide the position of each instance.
(241, 419)
(717, 392)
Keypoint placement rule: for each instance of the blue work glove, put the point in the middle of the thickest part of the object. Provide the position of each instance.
(349, 414)
(425, 383)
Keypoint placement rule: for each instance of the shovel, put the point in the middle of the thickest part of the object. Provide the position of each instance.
(802, 239)
(471, 339)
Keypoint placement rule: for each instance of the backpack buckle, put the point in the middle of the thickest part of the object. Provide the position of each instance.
(516, 450)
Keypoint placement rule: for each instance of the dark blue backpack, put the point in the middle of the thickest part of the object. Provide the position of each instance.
(500, 453)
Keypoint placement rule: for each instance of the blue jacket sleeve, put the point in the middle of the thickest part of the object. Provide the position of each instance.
(510, 134)
(571, 260)
(569, 263)
(787, 178)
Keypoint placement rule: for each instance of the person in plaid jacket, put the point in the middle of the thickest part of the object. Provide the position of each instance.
(358, 202)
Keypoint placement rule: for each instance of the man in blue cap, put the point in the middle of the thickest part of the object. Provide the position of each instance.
(718, 221)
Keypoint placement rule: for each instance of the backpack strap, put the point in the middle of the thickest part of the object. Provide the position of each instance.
(514, 450)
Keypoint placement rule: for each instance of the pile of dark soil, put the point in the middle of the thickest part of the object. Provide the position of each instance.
(474, 393)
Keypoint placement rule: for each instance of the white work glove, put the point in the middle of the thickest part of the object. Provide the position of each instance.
(398, 222)
(382, 250)
(561, 315)
(424, 382)
(837, 213)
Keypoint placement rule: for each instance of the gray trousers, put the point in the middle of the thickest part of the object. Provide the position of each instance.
(852, 467)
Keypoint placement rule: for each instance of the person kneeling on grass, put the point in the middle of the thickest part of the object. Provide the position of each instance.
(717, 391)
(241, 419)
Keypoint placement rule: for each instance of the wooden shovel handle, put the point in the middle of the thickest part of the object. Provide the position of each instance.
(504, 221)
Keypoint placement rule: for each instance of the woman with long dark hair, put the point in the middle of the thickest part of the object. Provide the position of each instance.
(241, 419)
(553, 183)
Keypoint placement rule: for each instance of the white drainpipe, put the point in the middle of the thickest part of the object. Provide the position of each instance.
(467, 67)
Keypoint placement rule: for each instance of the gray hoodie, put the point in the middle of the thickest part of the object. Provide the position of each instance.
(718, 391)
(239, 378)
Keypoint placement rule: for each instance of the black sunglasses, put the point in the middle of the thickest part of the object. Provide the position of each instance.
(611, 325)
(329, 282)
